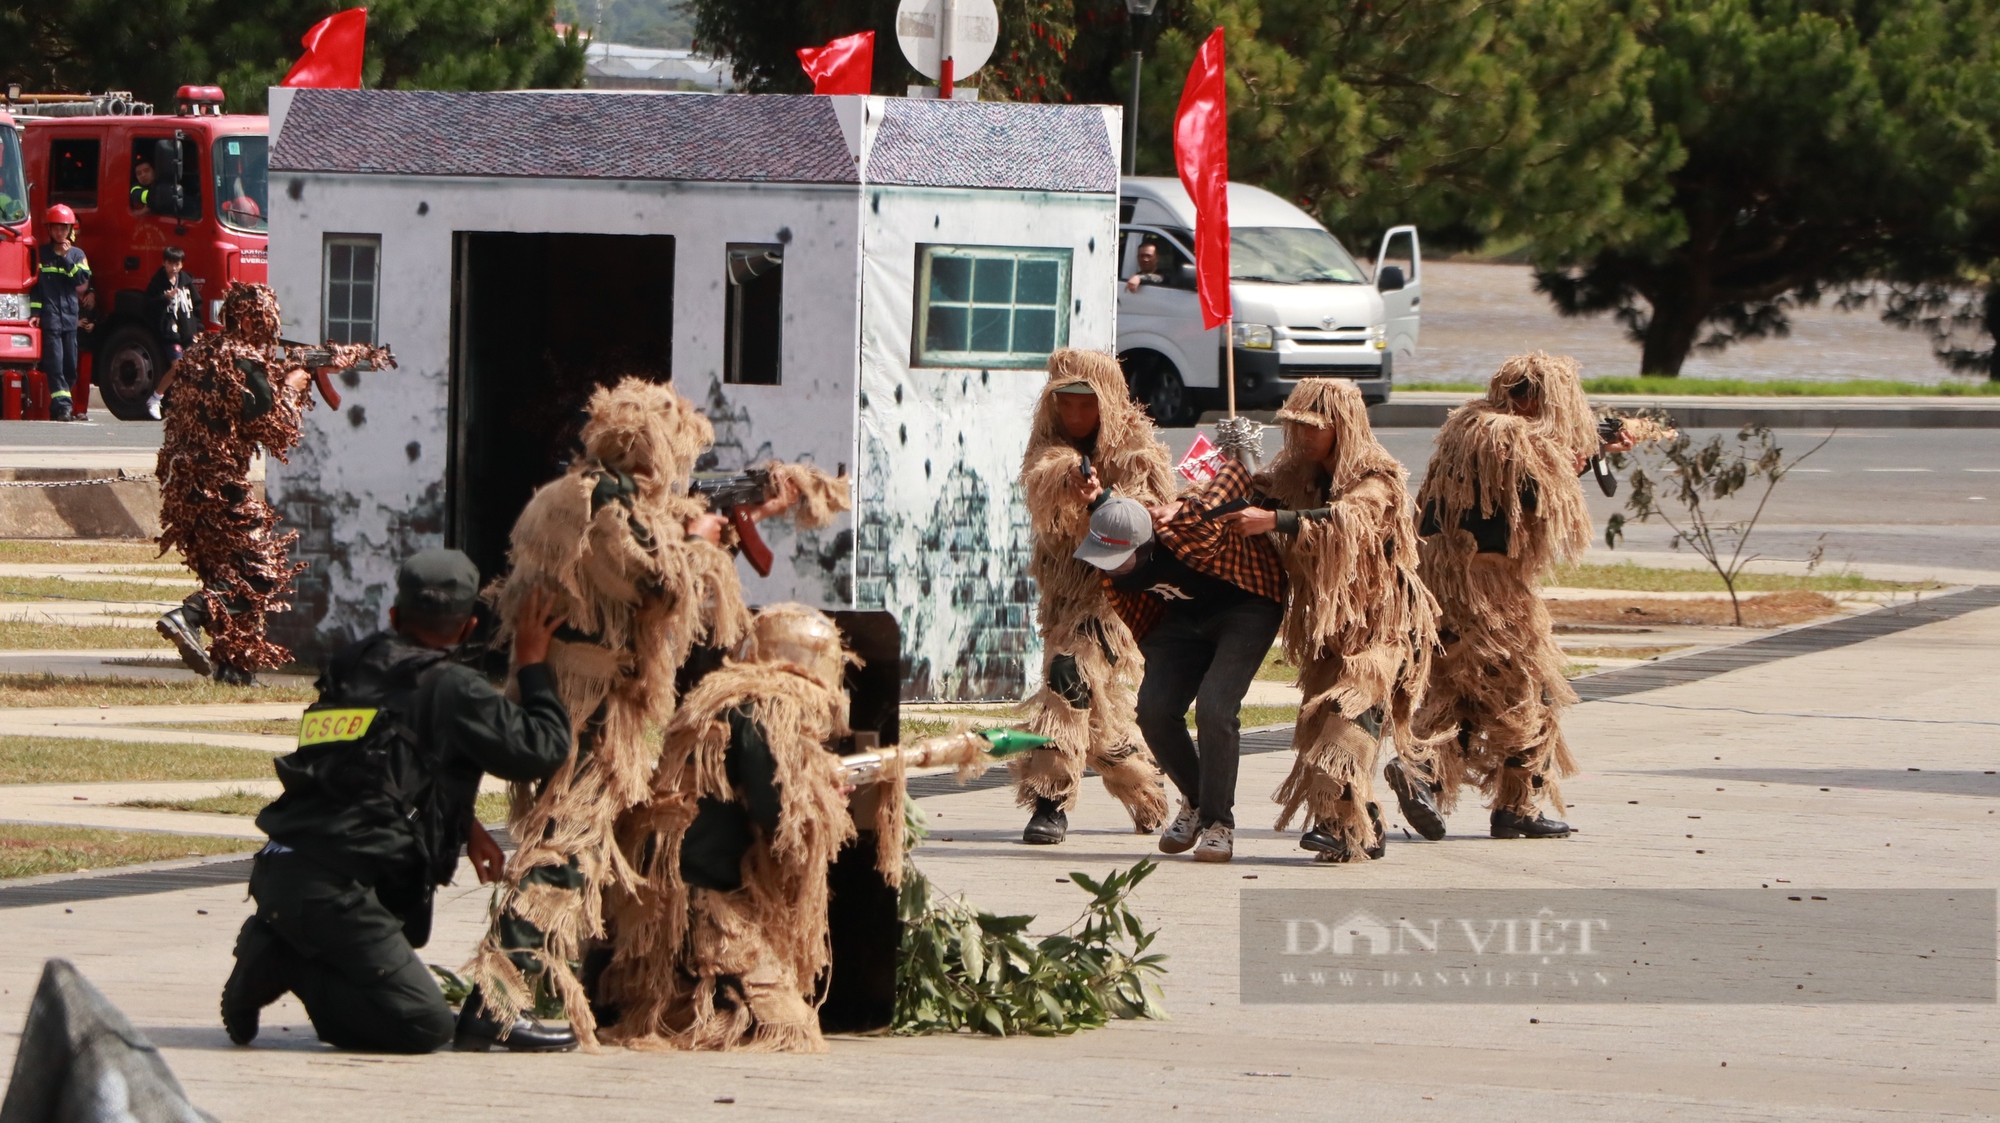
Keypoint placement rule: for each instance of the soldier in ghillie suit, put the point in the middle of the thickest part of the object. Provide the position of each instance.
(1500, 504)
(233, 393)
(1358, 624)
(639, 579)
(726, 943)
(1092, 667)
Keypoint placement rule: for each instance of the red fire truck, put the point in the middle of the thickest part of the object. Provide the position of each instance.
(209, 196)
(20, 345)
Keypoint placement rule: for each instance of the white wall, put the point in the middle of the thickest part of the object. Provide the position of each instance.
(362, 501)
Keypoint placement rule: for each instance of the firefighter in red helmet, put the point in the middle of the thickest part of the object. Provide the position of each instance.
(56, 304)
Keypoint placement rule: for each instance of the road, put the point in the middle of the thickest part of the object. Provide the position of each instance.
(1897, 496)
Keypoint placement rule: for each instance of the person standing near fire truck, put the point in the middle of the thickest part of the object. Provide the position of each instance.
(56, 306)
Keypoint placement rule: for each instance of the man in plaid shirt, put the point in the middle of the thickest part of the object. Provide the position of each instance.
(1205, 604)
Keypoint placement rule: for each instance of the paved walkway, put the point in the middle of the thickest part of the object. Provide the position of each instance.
(1791, 771)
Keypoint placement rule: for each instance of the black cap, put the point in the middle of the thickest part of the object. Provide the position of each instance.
(438, 583)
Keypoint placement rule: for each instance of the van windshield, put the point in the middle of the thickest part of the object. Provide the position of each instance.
(13, 196)
(1290, 255)
(243, 182)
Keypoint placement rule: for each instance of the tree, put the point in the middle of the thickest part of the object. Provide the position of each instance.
(246, 46)
(640, 23)
(1474, 118)
(1826, 142)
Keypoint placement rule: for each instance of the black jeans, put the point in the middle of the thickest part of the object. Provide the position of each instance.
(361, 982)
(1209, 659)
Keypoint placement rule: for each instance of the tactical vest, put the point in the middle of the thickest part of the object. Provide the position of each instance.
(358, 747)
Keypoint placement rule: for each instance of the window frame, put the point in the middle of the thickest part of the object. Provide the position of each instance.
(734, 294)
(326, 318)
(924, 356)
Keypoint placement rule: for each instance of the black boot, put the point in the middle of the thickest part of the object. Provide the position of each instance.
(1417, 798)
(1328, 847)
(182, 628)
(262, 976)
(59, 409)
(1049, 825)
(478, 1032)
(1507, 824)
(234, 676)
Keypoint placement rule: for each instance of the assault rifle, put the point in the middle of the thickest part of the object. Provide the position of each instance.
(318, 358)
(974, 751)
(1611, 428)
(731, 495)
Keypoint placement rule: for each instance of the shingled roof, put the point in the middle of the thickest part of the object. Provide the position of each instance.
(991, 144)
(561, 134)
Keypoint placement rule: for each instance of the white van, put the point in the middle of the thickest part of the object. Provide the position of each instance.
(1304, 308)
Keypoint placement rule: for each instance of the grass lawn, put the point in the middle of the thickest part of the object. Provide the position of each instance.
(58, 588)
(1275, 668)
(1613, 651)
(235, 801)
(491, 808)
(1653, 579)
(1739, 388)
(85, 690)
(1766, 610)
(272, 726)
(27, 635)
(31, 850)
(63, 551)
(72, 760)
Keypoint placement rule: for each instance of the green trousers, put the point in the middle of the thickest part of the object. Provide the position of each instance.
(360, 979)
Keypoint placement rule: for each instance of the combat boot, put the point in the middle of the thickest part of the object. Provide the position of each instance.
(234, 676)
(182, 628)
(479, 1031)
(1330, 848)
(1048, 826)
(262, 975)
(1418, 799)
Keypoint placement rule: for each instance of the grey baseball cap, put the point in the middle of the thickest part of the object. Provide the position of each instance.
(1077, 387)
(440, 582)
(1118, 527)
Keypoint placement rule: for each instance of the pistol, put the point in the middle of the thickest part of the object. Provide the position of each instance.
(731, 495)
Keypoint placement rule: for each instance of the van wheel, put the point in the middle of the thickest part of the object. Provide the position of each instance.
(1158, 387)
(125, 371)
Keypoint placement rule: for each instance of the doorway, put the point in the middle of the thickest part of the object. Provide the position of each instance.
(539, 322)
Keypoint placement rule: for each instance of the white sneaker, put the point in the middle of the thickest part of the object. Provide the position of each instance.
(153, 406)
(1217, 844)
(1180, 833)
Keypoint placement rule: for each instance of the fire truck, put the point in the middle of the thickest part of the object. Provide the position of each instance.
(209, 195)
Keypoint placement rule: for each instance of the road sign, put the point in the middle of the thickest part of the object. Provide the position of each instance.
(975, 28)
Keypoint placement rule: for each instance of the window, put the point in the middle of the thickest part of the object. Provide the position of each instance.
(242, 182)
(353, 272)
(73, 173)
(1290, 255)
(990, 306)
(754, 320)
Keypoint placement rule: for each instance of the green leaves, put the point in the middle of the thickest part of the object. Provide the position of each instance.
(967, 970)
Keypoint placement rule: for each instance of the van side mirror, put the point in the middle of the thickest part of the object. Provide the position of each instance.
(1390, 278)
(1188, 278)
(165, 197)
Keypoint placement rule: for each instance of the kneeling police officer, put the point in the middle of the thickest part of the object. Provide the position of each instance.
(376, 800)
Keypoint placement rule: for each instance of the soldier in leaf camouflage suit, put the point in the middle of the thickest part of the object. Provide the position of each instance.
(235, 392)
(1088, 702)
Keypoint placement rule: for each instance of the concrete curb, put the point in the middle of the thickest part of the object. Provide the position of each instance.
(1427, 410)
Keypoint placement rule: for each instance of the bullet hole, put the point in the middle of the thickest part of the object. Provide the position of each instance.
(875, 202)
(413, 450)
(965, 385)
(1079, 306)
(927, 469)
(350, 378)
(937, 221)
(903, 434)
(985, 377)
(1093, 243)
(961, 440)
(356, 416)
(785, 235)
(864, 399)
(899, 393)
(423, 208)
(296, 189)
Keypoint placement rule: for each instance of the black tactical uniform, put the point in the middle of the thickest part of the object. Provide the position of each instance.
(343, 889)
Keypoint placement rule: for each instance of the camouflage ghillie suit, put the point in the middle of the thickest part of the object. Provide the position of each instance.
(1088, 701)
(230, 398)
(726, 943)
(1501, 503)
(636, 593)
(1359, 625)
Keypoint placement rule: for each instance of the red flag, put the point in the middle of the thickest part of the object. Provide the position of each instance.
(333, 53)
(1201, 151)
(844, 66)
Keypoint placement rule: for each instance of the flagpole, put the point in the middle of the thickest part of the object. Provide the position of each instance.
(1229, 362)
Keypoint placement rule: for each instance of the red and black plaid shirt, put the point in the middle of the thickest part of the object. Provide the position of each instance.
(1251, 564)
